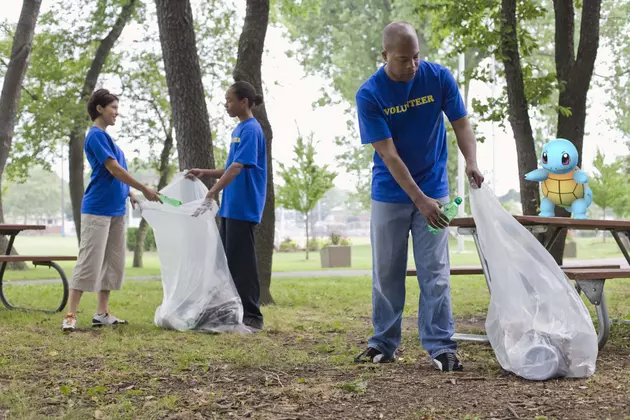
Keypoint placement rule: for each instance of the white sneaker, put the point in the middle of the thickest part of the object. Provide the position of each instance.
(69, 323)
(106, 319)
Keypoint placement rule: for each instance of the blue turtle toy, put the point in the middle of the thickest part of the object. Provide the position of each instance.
(563, 183)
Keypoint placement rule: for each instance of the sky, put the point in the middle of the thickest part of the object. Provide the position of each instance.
(290, 93)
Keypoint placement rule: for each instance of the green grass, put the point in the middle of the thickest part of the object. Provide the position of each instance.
(588, 248)
(300, 364)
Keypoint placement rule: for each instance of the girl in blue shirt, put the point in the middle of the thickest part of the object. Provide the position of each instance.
(244, 186)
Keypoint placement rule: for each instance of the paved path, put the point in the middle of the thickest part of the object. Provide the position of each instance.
(334, 273)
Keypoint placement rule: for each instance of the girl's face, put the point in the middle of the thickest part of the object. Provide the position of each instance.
(234, 106)
(109, 113)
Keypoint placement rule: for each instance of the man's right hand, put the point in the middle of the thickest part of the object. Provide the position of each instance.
(430, 210)
(151, 195)
(194, 173)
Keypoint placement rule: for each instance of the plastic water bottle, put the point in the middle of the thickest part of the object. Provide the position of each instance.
(168, 200)
(450, 211)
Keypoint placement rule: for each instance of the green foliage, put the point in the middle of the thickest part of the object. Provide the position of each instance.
(341, 41)
(314, 244)
(304, 183)
(615, 31)
(63, 49)
(149, 240)
(610, 186)
(39, 196)
(288, 245)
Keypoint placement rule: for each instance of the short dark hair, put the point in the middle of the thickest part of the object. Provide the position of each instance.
(244, 90)
(100, 97)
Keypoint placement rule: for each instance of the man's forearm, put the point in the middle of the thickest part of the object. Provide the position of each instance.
(403, 177)
(466, 139)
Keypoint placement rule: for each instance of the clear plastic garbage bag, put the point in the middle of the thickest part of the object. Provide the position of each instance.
(199, 293)
(537, 323)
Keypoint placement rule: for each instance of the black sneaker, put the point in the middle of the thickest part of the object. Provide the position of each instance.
(373, 355)
(253, 324)
(447, 362)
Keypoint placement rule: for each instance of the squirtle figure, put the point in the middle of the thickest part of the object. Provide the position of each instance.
(563, 183)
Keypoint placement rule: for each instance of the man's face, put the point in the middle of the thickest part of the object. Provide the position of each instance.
(402, 61)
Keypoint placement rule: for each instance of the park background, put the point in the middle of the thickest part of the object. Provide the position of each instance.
(315, 54)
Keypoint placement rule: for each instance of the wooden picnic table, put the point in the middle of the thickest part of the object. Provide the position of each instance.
(588, 280)
(12, 230)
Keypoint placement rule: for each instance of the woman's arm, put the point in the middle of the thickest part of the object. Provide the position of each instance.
(122, 175)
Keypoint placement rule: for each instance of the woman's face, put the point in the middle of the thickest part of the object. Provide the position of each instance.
(109, 113)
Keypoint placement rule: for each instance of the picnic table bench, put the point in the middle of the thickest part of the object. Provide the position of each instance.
(589, 279)
(38, 260)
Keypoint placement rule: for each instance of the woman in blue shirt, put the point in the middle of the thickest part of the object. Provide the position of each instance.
(244, 184)
(101, 263)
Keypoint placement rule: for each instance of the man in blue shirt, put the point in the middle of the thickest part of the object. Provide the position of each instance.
(400, 110)
(244, 186)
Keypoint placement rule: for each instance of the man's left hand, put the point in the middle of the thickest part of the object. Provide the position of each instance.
(474, 175)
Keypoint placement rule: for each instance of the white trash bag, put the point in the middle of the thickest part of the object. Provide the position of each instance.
(537, 324)
(199, 293)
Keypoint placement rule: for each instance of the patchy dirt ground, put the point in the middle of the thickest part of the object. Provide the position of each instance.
(408, 389)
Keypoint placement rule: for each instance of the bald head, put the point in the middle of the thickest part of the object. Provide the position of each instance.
(398, 34)
(400, 51)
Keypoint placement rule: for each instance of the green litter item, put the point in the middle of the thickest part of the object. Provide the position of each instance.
(450, 211)
(168, 200)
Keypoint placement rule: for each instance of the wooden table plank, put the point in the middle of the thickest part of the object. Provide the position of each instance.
(566, 222)
(593, 274)
(36, 258)
(14, 228)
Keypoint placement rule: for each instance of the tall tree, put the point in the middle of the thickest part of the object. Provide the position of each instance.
(530, 86)
(185, 86)
(251, 46)
(12, 87)
(81, 121)
(304, 183)
(518, 107)
(574, 73)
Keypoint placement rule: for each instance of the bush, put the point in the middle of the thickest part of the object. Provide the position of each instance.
(149, 240)
(288, 246)
(336, 239)
(314, 245)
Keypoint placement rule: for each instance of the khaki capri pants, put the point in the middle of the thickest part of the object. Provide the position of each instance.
(101, 261)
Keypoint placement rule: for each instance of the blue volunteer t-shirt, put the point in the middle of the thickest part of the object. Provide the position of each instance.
(411, 114)
(105, 195)
(244, 198)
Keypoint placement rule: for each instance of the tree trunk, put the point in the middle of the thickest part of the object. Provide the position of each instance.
(574, 78)
(518, 108)
(138, 249)
(306, 227)
(164, 169)
(11, 89)
(248, 67)
(185, 88)
(77, 136)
